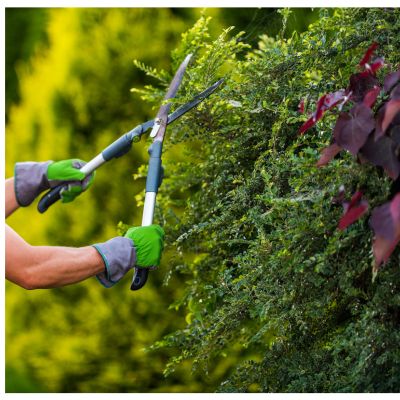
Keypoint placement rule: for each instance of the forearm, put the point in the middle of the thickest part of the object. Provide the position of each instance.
(59, 266)
(34, 267)
(10, 198)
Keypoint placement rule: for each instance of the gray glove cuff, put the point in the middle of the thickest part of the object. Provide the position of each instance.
(30, 179)
(119, 257)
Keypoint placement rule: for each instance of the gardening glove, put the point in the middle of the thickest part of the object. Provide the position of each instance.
(141, 247)
(32, 178)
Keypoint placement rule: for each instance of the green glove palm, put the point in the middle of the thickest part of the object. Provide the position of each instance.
(149, 244)
(67, 171)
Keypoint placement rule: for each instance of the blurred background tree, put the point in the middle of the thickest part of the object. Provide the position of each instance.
(68, 75)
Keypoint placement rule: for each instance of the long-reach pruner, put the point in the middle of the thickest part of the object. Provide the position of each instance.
(122, 145)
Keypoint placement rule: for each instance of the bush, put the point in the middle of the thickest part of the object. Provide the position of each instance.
(276, 296)
(270, 296)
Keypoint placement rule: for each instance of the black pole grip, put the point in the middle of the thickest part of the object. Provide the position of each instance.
(50, 198)
(139, 278)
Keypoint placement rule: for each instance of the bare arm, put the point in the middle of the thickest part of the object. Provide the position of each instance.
(35, 267)
(10, 199)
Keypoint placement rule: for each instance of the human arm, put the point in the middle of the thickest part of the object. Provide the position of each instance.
(10, 199)
(39, 267)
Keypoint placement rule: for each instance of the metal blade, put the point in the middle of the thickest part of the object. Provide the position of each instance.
(181, 110)
(162, 115)
(193, 103)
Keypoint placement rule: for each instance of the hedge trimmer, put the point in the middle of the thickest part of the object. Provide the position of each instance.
(122, 145)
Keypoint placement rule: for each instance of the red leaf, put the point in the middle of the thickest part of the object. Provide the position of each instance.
(355, 198)
(371, 95)
(391, 109)
(332, 99)
(328, 154)
(307, 125)
(324, 103)
(385, 221)
(395, 93)
(368, 54)
(383, 248)
(351, 130)
(377, 64)
(301, 106)
(353, 211)
(378, 122)
(391, 80)
(360, 84)
(319, 112)
(383, 154)
(395, 208)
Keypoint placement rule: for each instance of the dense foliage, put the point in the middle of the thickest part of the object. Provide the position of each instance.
(369, 129)
(259, 290)
(69, 74)
(272, 280)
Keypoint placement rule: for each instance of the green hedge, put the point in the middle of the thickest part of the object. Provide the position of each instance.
(266, 293)
(275, 294)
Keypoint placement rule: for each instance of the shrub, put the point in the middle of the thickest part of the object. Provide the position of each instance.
(277, 298)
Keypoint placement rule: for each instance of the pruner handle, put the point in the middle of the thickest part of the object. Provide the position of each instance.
(153, 182)
(139, 278)
(50, 198)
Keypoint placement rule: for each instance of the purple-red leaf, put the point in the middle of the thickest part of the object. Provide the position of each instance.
(328, 154)
(319, 112)
(371, 95)
(392, 108)
(388, 113)
(395, 93)
(355, 199)
(391, 80)
(385, 221)
(324, 103)
(377, 64)
(395, 134)
(383, 153)
(307, 125)
(378, 122)
(368, 54)
(395, 208)
(353, 210)
(360, 84)
(382, 222)
(352, 129)
(332, 99)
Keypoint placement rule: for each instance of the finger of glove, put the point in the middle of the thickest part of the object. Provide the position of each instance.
(159, 230)
(88, 181)
(154, 255)
(70, 192)
(148, 249)
(142, 236)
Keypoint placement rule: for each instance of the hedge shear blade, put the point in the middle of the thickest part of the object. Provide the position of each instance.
(123, 144)
(155, 171)
(179, 112)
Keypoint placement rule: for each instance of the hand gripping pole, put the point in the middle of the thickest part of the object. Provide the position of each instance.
(153, 182)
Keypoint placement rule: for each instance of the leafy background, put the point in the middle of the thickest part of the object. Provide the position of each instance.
(258, 290)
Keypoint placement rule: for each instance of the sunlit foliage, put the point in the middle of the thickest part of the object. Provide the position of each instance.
(258, 290)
